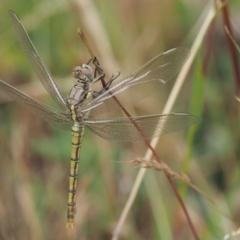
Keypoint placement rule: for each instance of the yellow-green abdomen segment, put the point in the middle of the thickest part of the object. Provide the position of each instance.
(77, 135)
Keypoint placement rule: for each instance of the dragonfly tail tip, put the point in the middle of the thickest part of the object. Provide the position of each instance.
(69, 225)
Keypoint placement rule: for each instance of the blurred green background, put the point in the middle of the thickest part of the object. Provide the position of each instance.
(34, 157)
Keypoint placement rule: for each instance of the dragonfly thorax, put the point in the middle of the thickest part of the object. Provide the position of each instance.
(78, 94)
(81, 90)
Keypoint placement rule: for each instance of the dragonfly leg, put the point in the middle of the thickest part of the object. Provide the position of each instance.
(98, 72)
(113, 77)
(102, 73)
(101, 76)
(88, 63)
(97, 64)
(106, 87)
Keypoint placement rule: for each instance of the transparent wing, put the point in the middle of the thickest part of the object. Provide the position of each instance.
(36, 62)
(141, 83)
(127, 129)
(48, 114)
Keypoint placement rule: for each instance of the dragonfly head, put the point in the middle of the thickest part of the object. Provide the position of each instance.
(83, 73)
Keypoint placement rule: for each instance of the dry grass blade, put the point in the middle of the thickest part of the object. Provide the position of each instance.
(174, 93)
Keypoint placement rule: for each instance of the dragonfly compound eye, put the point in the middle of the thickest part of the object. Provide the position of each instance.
(88, 72)
(83, 73)
(77, 72)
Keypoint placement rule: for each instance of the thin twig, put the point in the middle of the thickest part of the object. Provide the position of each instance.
(84, 39)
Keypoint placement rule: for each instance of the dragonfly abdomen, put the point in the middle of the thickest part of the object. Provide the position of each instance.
(77, 135)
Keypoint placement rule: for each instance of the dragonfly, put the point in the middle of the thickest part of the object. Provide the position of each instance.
(83, 106)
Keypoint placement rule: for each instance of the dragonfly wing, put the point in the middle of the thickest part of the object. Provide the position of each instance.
(141, 83)
(36, 62)
(140, 128)
(164, 66)
(41, 110)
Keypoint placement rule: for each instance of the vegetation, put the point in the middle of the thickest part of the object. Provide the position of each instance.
(123, 35)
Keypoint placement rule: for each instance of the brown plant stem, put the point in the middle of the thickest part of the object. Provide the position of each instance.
(232, 50)
(84, 39)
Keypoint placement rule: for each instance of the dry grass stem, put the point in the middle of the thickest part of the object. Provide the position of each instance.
(172, 98)
(161, 167)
